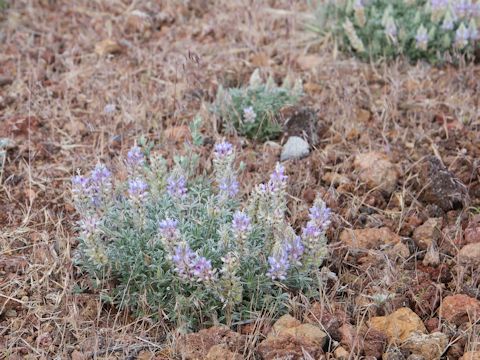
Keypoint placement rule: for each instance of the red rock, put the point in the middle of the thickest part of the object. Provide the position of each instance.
(376, 171)
(290, 338)
(472, 232)
(432, 325)
(459, 309)
(197, 345)
(367, 239)
(374, 343)
(330, 319)
(428, 232)
(351, 338)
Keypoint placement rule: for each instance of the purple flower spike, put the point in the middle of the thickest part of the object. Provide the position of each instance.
(277, 178)
(223, 149)
(137, 188)
(135, 157)
(182, 259)
(176, 186)
(101, 175)
(311, 230)
(296, 250)
(89, 225)
(79, 184)
(320, 216)
(241, 223)
(438, 4)
(202, 269)
(189, 265)
(229, 187)
(168, 228)
(279, 266)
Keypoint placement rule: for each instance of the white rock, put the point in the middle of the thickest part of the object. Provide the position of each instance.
(295, 148)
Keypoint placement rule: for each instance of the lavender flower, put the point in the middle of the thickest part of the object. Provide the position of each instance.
(229, 186)
(109, 109)
(313, 234)
(135, 157)
(438, 4)
(94, 188)
(390, 28)
(474, 9)
(168, 228)
(182, 259)
(461, 8)
(176, 186)
(249, 115)
(279, 265)
(296, 250)
(358, 4)
(447, 23)
(202, 269)
(89, 225)
(101, 175)
(320, 216)
(223, 149)
(79, 184)
(473, 30)
(241, 223)
(422, 38)
(137, 189)
(189, 265)
(278, 179)
(462, 36)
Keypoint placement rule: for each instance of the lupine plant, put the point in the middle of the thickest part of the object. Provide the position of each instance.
(433, 30)
(252, 111)
(170, 243)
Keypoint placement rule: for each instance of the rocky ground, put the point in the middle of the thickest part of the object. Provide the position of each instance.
(394, 150)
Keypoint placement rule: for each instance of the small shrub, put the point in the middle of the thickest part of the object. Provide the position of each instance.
(168, 242)
(433, 30)
(253, 111)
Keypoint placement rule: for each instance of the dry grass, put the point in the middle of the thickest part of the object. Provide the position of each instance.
(53, 110)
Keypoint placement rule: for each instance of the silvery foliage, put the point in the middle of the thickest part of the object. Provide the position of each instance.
(166, 241)
(432, 30)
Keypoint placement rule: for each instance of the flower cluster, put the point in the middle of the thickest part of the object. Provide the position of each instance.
(287, 255)
(135, 157)
(204, 258)
(418, 29)
(177, 186)
(191, 266)
(93, 190)
(313, 234)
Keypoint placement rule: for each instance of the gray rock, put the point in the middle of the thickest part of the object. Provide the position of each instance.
(294, 148)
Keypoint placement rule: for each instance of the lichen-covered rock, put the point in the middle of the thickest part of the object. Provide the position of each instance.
(399, 325)
(294, 148)
(429, 346)
(440, 187)
(368, 239)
